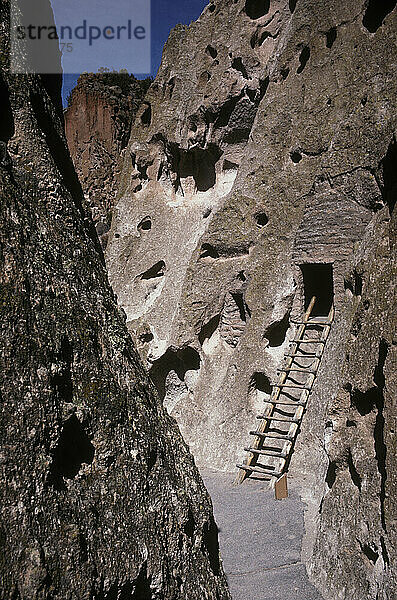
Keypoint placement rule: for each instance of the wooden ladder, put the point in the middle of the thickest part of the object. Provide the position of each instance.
(274, 439)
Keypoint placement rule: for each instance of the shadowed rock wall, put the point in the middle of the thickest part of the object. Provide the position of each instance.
(271, 145)
(99, 496)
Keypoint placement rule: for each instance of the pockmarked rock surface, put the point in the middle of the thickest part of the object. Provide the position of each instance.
(270, 152)
(99, 496)
(98, 121)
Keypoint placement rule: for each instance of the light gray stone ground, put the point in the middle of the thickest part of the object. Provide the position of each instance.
(260, 540)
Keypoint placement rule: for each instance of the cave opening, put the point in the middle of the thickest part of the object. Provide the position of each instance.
(261, 382)
(73, 449)
(276, 332)
(157, 270)
(255, 9)
(376, 13)
(180, 361)
(318, 281)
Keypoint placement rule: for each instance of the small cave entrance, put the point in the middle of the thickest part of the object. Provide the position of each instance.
(255, 9)
(376, 13)
(180, 361)
(318, 281)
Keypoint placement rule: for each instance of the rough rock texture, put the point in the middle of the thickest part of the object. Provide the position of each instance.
(99, 496)
(98, 124)
(272, 145)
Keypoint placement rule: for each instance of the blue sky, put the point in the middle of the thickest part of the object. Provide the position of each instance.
(165, 15)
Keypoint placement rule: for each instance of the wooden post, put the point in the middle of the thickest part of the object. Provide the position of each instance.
(281, 488)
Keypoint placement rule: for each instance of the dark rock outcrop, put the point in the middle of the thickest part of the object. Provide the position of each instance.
(98, 121)
(99, 496)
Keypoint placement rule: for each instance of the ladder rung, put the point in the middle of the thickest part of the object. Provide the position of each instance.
(273, 436)
(263, 417)
(325, 323)
(298, 403)
(265, 453)
(257, 470)
(292, 386)
(307, 355)
(314, 341)
(301, 370)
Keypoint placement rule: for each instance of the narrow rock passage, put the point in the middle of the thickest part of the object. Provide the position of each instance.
(260, 540)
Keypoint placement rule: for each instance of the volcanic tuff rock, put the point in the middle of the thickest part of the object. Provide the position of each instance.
(98, 123)
(271, 145)
(99, 496)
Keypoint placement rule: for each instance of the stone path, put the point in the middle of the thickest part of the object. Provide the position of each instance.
(260, 540)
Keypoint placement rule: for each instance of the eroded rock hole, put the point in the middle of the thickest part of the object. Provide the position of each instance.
(211, 51)
(284, 72)
(200, 164)
(238, 65)
(152, 459)
(259, 37)
(261, 219)
(330, 477)
(255, 9)
(261, 382)
(210, 545)
(354, 285)
(331, 37)
(318, 281)
(208, 251)
(263, 85)
(61, 381)
(228, 165)
(146, 337)
(145, 224)
(365, 402)
(180, 361)
(277, 331)
(7, 120)
(189, 525)
(292, 5)
(372, 555)
(376, 13)
(73, 449)
(225, 112)
(170, 87)
(353, 472)
(146, 116)
(157, 270)
(234, 318)
(296, 156)
(303, 59)
(208, 330)
(389, 171)
(239, 300)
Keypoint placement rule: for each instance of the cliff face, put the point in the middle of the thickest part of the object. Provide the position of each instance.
(98, 124)
(99, 496)
(270, 152)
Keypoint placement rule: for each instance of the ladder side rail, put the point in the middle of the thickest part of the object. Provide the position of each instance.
(258, 442)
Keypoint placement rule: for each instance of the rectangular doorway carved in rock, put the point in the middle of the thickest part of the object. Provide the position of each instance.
(318, 281)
